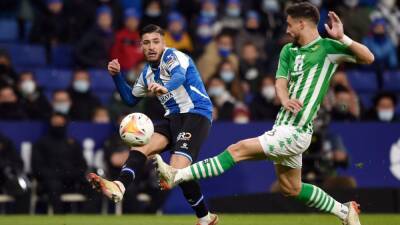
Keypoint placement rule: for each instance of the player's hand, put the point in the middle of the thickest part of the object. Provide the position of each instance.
(293, 105)
(157, 89)
(114, 67)
(336, 28)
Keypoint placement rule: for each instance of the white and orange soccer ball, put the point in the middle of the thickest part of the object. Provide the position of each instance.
(136, 129)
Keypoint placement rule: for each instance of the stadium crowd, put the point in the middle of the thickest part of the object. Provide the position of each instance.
(235, 44)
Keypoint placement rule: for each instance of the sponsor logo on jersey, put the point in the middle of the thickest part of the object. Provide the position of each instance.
(185, 146)
(184, 136)
(164, 98)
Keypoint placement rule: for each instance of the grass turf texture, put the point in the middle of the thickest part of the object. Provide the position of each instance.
(225, 219)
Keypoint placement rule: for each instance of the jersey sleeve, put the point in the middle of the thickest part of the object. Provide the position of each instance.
(177, 64)
(339, 52)
(139, 89)
(283, 64)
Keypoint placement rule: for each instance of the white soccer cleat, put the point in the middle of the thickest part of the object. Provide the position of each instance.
(111, 189)
(213, 221)
(354, 211)
(166, 173)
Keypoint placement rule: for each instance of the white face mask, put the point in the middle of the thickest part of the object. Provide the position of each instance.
(227, 76)
(241, 119)
(81, 86)
(271, 6)
(351, 3)
(28, 87)
(62, 107)
(268, 92)
(388, 3)
(317, 3)
(216, 91)
(385, 115)
(233, 12)
(204, 31)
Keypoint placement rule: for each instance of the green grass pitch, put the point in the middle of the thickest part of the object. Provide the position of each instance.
(225, 219)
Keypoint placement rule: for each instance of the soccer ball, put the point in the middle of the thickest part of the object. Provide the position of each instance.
(136, 129)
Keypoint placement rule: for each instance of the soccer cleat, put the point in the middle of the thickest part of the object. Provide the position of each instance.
(352, 217)
(166, 173)
(110, 189)
(214, 220)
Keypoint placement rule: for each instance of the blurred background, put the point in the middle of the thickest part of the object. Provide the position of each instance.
(59, 109)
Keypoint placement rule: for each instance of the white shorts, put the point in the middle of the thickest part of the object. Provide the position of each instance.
(285, 144)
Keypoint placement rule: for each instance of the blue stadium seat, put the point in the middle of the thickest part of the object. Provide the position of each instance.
(25, 55)
(104, 96)
(101, 80)
(53, 79)
(363, 81)
(391, 81)
(8, 30)
(367, 99)
(62, 56)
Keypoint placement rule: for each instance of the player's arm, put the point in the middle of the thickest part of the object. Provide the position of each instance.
(177, 79)
(122, 86)
(281, 86)
(360, 51)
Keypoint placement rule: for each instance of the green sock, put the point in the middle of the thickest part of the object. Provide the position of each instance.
(314, 196)
(212, 167)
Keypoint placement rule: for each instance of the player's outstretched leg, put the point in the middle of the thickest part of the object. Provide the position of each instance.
(137, 158)
(169, 177)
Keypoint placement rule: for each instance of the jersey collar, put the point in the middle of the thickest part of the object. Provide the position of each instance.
(311, 43)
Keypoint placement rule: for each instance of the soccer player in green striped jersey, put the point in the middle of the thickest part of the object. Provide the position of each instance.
(302, 80)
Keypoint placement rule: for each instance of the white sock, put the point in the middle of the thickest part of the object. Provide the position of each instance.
(340, 210)
(120, 185)
(205, 219)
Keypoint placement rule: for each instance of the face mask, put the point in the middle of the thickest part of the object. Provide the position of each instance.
(227, 76)
(57, 131)
(388, 3)
(317, 3)
(241, 119)
(28, 87)
(204, 31)
(233, 12)
(385, 115)
(62, 107)
(216, 91)
(224, 52)
(268, 92)
(342, 108)
(81, 86)
(209, 14)
(270, 6)
(153, 13)
(351, 3)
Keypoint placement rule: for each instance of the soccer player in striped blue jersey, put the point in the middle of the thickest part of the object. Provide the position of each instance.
(302, 80)
(173, 77)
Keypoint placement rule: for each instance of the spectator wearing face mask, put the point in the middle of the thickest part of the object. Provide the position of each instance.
(153, 14)
(32, 98)
(265, 104)
(273, 19)
(388, 10)
(217, 51)
(176, 35)
(59, 166)
(10, 106)
(93, 49)
(381, 46)
(252, 33)
(356, 18)
(227, 73)
(222, 99)
(251, 67)
(126, 47)
(83, 101)
(384, 108)
(231, 20)
(61, 102)
(8, 76)
(204, 34)
(344, 105)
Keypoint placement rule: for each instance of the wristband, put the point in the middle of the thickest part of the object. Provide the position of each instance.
(346, 40)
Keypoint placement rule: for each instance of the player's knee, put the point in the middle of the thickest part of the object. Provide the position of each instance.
(290, 191)
(237, 150)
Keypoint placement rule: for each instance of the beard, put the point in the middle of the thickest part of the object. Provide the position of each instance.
(296, 41)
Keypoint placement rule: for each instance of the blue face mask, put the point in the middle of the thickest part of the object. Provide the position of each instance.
(177, 36)
(224, 52)
(227, 76)
(209, 14)
(233, 12)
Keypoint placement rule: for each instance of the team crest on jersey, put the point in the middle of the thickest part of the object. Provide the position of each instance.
(171, 61)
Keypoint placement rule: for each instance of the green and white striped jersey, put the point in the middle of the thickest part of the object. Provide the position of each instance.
(308, 70)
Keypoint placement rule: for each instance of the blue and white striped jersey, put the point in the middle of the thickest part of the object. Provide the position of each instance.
(178, 73)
